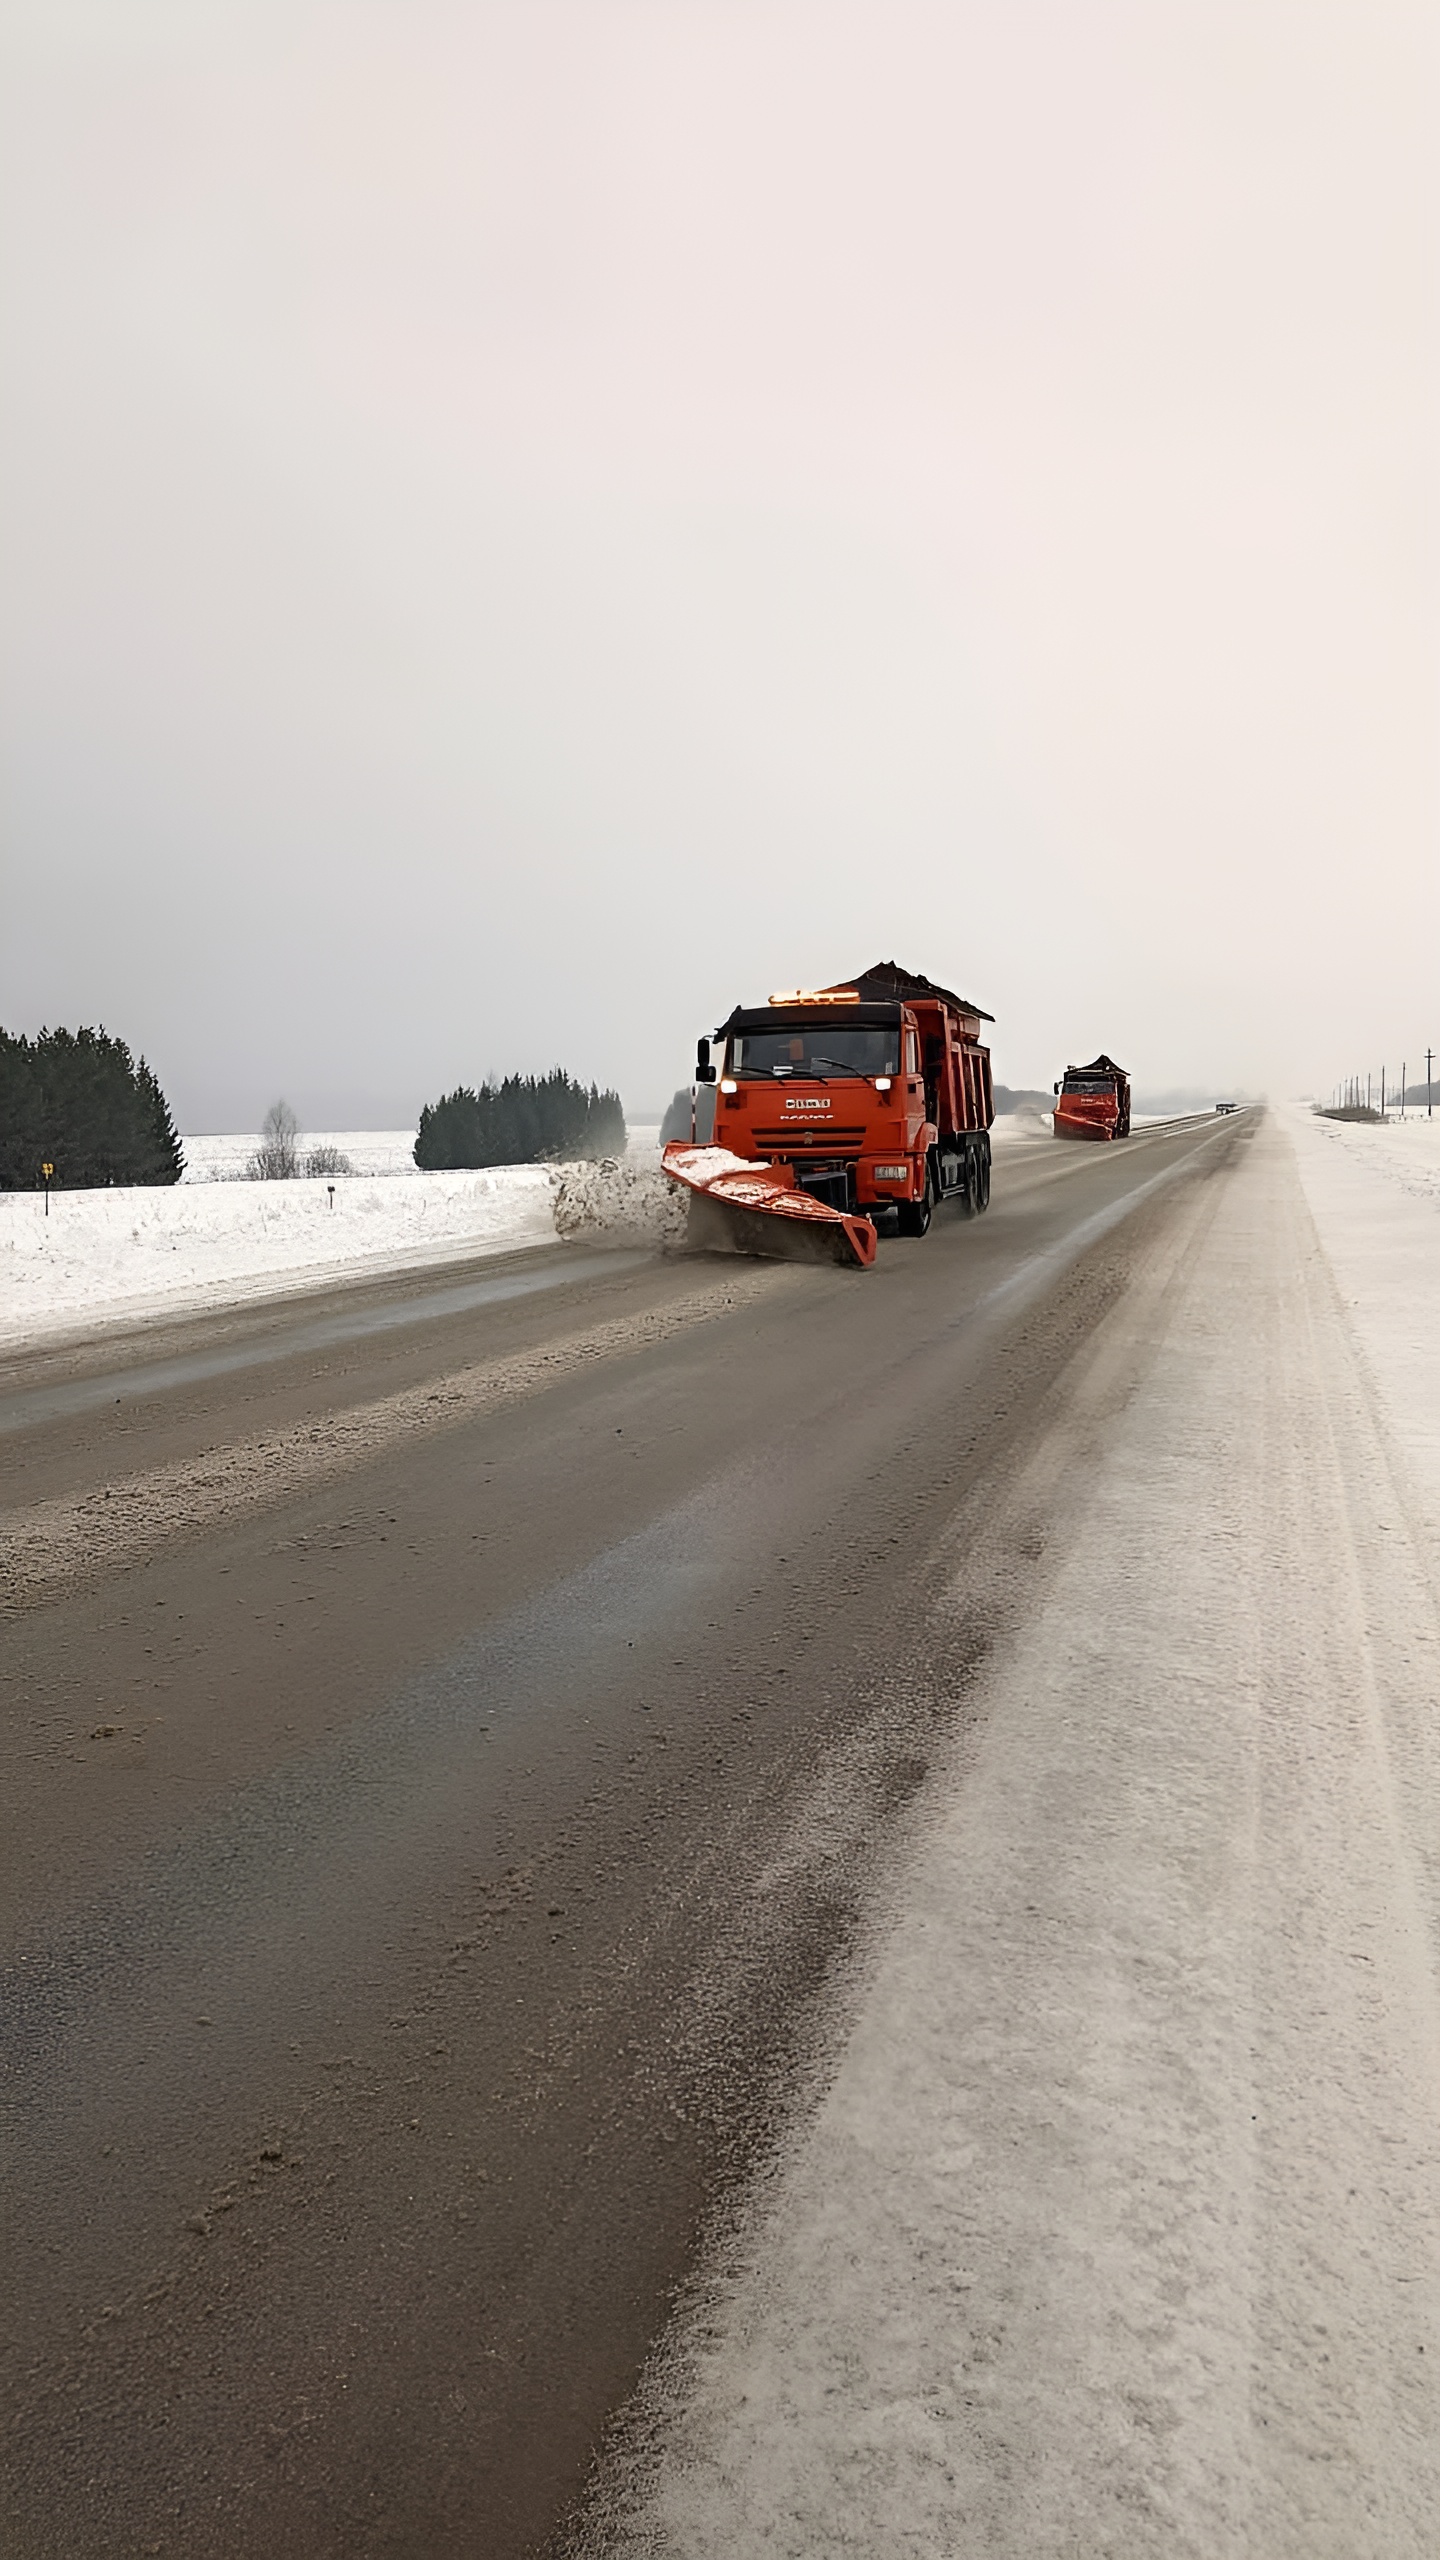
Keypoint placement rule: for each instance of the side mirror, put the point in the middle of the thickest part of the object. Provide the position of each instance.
(1057, 1088)
(704, 1072)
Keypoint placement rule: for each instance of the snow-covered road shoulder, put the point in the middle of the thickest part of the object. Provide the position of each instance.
(1374, 1194)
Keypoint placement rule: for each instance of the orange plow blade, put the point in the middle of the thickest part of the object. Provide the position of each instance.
(740, 1207)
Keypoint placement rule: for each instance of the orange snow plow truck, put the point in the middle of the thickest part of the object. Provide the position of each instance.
(841, 1113)
(1093, 1101)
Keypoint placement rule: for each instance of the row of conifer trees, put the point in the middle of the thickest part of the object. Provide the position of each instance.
(79, 1102)
(519, 1121)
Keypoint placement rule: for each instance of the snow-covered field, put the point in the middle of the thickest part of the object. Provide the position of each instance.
(118, 1257)
(1116, 2229)
(1403, 1153)
(224, 1158)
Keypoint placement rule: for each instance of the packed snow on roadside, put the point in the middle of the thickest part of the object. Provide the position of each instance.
(116, 1257)
(1373, 1189)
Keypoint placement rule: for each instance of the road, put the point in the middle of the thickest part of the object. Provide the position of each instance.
(453, 1732)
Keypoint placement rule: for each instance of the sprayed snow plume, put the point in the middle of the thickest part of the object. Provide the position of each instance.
(611, 1198)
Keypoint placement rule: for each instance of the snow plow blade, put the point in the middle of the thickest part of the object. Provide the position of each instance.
(740, 1207)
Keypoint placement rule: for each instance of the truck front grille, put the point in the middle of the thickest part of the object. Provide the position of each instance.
(809, 1141)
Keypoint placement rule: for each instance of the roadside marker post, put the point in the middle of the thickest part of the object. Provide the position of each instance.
(47, 1170)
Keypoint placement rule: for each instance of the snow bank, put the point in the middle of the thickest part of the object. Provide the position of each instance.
(104, 1257)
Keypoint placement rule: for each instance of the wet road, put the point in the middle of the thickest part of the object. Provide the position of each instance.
(449, 1734)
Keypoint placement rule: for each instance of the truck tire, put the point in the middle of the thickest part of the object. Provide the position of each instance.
(982, 1174)
(915, 1214)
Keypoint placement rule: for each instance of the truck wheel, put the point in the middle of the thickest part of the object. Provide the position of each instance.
(982, 1176)
(915, 1214)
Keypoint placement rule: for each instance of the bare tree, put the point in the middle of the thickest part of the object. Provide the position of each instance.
(327, 1160)
(277, 1158)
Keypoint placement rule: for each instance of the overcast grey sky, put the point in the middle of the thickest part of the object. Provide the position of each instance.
(526, 524)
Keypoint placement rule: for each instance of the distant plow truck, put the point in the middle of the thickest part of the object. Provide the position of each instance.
(842, 1113)
(1093, 1101)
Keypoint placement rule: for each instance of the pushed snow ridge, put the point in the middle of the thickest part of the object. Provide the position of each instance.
(619, 1199)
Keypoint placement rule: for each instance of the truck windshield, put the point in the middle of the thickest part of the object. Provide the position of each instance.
(1090, 1084)
(823, 1049)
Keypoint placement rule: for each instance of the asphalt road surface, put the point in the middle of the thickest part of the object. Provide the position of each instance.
(452, 1731)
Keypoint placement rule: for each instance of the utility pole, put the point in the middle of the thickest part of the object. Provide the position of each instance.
(1404, 1072)
(1429, 1104)
(1382, 1088)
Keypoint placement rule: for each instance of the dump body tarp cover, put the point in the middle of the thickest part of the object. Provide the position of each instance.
(887, 978)
(1101, 1066)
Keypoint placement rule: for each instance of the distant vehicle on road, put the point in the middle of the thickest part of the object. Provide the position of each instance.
(1093, 1101)
(1227, 1106)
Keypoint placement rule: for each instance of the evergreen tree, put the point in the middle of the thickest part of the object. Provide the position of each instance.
(523, 1120)
(166, 1153)
(78, 1100)
(22, 1115)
